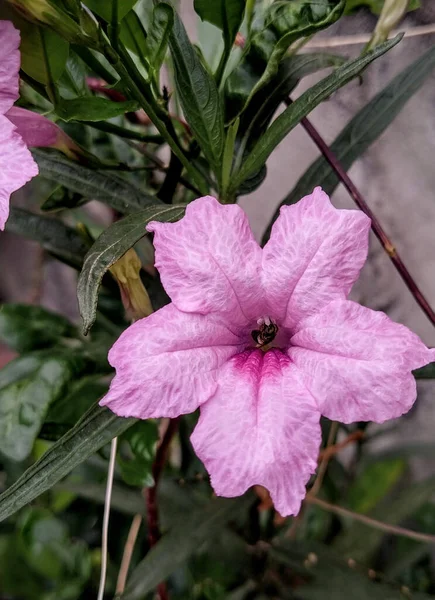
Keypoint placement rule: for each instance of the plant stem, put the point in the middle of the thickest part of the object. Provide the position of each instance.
(362, 205)
(393, 529)
(122, 132)
(106, 516)
(128, 553)
(151, 494)
(325, 460)
(139, 89)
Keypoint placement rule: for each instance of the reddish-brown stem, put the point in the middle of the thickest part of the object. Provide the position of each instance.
(362, 205)
(151, 495)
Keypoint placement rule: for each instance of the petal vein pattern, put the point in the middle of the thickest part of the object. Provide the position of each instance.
(260, 428)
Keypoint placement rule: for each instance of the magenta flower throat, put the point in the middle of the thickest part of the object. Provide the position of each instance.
(264, 341)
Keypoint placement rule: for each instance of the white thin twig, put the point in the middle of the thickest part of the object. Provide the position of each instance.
(363, 38)
(105, 532)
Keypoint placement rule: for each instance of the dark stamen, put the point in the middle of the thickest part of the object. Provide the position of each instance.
(265, 334)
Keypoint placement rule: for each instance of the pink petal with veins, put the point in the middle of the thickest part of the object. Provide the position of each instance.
(209, 261)
(357, 363)
(17, 166)
(168, 364)
(260, 428)
(9, 65)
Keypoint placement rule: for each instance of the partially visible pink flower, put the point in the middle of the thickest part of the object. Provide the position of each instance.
(265, 342)
(20, 128)
(17, 166)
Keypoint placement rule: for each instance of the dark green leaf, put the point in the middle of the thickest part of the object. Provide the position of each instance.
(103, 8)
(92, 109)
(284, 23)
(26, 327)
(133, 34)
(225, 14)
(158, 36)
(360, 541)
(28, 385)
(106, 187)
(53, 235)
(110, 246)
(198, 95)
(427, 372)
(365, 127)
(200, 527)
(303, 106)
(257, 116)
(94, 430)
(81, 395)
(136, 467)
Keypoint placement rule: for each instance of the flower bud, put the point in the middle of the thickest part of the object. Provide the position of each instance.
(46, 12)
(134, 296)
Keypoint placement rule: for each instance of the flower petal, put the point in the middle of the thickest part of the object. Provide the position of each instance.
(35, 129)
(314, 255)
(209, 261)
(260, 428)
(9, 65)
(167, 364)
(357, 363)
(17, 166)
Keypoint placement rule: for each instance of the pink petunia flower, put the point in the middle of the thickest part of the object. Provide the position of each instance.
(20, 128)
(264, 341)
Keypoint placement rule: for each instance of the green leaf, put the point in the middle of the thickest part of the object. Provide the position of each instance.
(360, 541)
(92, 109)
(95, 429)
(133, 34)
(28, 385)
(158, 36)
(427, 372)
(257, 116)
(110, 246)
(365, 127)
(61, 241)
(199, 527)
(375, 482)
(26, 327)
(198, 94)
(303, 106)
(284, 23)
(43, 53)
(136, 467)
(68, 409)
(225, 14)
(106, 187)
(103, 8)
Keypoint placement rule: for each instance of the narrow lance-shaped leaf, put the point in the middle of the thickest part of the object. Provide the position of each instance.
(106, 187)
(95, 429)
(92, 109)
(303, 106)
(363, 129)
(158, 35)
(198, 95)
(61, 241)
(200, 527)
(110, 246)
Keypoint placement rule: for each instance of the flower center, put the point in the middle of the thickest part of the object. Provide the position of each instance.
(265, 334)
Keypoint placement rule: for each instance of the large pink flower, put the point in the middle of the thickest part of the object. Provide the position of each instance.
(265, 342)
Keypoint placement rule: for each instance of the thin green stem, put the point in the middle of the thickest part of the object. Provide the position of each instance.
(114, 28)
(126, 69)
(122, 132)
